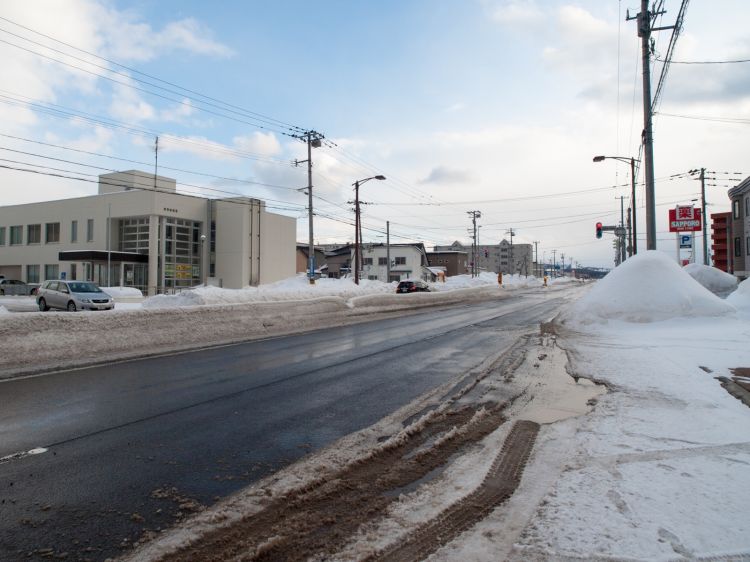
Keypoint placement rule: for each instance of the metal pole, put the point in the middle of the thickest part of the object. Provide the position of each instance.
(622, 226)
(630, 233)
(388, 250)
(311, 248)
(644, 32)
(703, 210)
(356, 232)
(633, 204)
(109, 235)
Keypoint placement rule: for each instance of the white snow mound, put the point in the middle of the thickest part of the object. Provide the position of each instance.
(715, 280)
(649, 287)
(740, 299)
(3, 310)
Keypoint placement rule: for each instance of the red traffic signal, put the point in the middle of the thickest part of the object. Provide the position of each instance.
(598, 230)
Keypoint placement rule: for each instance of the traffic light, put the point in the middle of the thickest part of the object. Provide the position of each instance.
(598, 230)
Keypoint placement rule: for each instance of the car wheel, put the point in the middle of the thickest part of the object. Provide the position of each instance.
(43, 305)
(72, 307)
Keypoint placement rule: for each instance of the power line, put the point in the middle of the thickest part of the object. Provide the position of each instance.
(736, 61)
(247, 112)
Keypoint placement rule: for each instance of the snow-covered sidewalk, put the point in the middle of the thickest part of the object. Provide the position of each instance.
(659, 469)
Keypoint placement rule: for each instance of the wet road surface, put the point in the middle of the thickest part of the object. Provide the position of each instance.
(133, 447)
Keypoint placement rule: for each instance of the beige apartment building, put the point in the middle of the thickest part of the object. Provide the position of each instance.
(140, 231)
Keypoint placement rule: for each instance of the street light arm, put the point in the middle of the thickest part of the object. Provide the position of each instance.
(360, 182)
(625, 159)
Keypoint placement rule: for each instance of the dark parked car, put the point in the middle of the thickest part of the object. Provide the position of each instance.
(72, 295)
(13, 287)
(412, 287)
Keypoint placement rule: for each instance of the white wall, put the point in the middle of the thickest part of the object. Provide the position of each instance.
(278, 247)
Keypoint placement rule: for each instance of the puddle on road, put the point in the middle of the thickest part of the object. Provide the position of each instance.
(559, 396)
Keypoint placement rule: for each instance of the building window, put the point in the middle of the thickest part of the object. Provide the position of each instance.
(32, 274)
(372, 277)
(736, 208)
(382, 261)
(73, 272)
(51, 271)
(34, 234)
(16, 235)
(2, 236)
(747, 245)
(366, 261)
(400, 260)
(737, 247)
(747, 206)
(90, 230)
(51, 232)
(74, 231)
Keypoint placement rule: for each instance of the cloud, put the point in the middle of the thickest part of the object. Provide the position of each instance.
(265, 144)
(124, 37)
(179, 112)
(517, 12)
(459, 106)
(445, 175)
(127, 104)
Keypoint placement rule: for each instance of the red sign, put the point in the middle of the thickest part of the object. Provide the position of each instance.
(685, 219)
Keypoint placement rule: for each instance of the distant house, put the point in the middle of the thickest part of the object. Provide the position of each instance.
(339, 261)
(454, 262)
(740, 228)
(408, 261)
(303, 250)
(721, 236)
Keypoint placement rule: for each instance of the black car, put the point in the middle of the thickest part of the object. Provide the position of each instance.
(412, 287)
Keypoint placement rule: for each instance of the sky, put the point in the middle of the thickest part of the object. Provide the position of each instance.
(489, 105)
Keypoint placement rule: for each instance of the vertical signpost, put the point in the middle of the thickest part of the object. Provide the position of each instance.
(685, 221)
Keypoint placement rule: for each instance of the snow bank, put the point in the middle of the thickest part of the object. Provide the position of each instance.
(715, 280)
(293, 289)
(3, 310)
(740, 299)
(649, 287)
(122, 292)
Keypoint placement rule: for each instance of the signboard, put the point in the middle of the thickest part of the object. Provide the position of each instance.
(686, 241)
(685, 219)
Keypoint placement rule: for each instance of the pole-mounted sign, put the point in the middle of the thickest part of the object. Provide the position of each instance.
(685, 219)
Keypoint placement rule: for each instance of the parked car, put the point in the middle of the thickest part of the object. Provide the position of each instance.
(72, 295)
(13, 287)
(412, 287)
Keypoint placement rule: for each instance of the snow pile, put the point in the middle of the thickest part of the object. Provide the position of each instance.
(296, 288)
(122, 292)
(4, 310)
(740, 299)
(715, 280)
(484, 279)
(649, 287)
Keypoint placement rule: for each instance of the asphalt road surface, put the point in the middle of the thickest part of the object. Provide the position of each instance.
(126, 448)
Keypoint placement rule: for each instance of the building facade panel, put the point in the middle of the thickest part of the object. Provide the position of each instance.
(177, 232)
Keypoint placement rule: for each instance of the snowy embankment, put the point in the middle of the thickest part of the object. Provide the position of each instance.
(206, 316)
(659, 469)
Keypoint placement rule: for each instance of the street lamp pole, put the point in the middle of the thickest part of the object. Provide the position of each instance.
(357, 241)
(632, 162)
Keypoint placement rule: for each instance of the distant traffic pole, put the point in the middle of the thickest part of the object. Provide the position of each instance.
(358, 225)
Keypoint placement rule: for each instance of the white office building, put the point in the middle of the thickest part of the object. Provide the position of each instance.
(139, 231)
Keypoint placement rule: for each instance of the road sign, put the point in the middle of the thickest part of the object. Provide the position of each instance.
(685, 219)
(686, 241)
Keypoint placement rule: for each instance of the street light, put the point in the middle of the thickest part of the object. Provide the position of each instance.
(357, 241)
(631, 161)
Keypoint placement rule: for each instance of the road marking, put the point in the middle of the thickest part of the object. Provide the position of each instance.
(22, 454)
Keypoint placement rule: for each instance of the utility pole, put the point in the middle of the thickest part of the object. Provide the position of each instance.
(536, 257)
(703, 211)
(644, 21)
(388, 251)
(313, 140)
(562, 259)
(357, 233)
(622, 227)
(474, 216)
(634, 236)
(512, 261)
(156, 159)
(554, 263)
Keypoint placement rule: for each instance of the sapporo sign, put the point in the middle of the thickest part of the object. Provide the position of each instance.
(685, 219)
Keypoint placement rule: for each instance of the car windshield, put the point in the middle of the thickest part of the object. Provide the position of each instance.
(84, 288)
